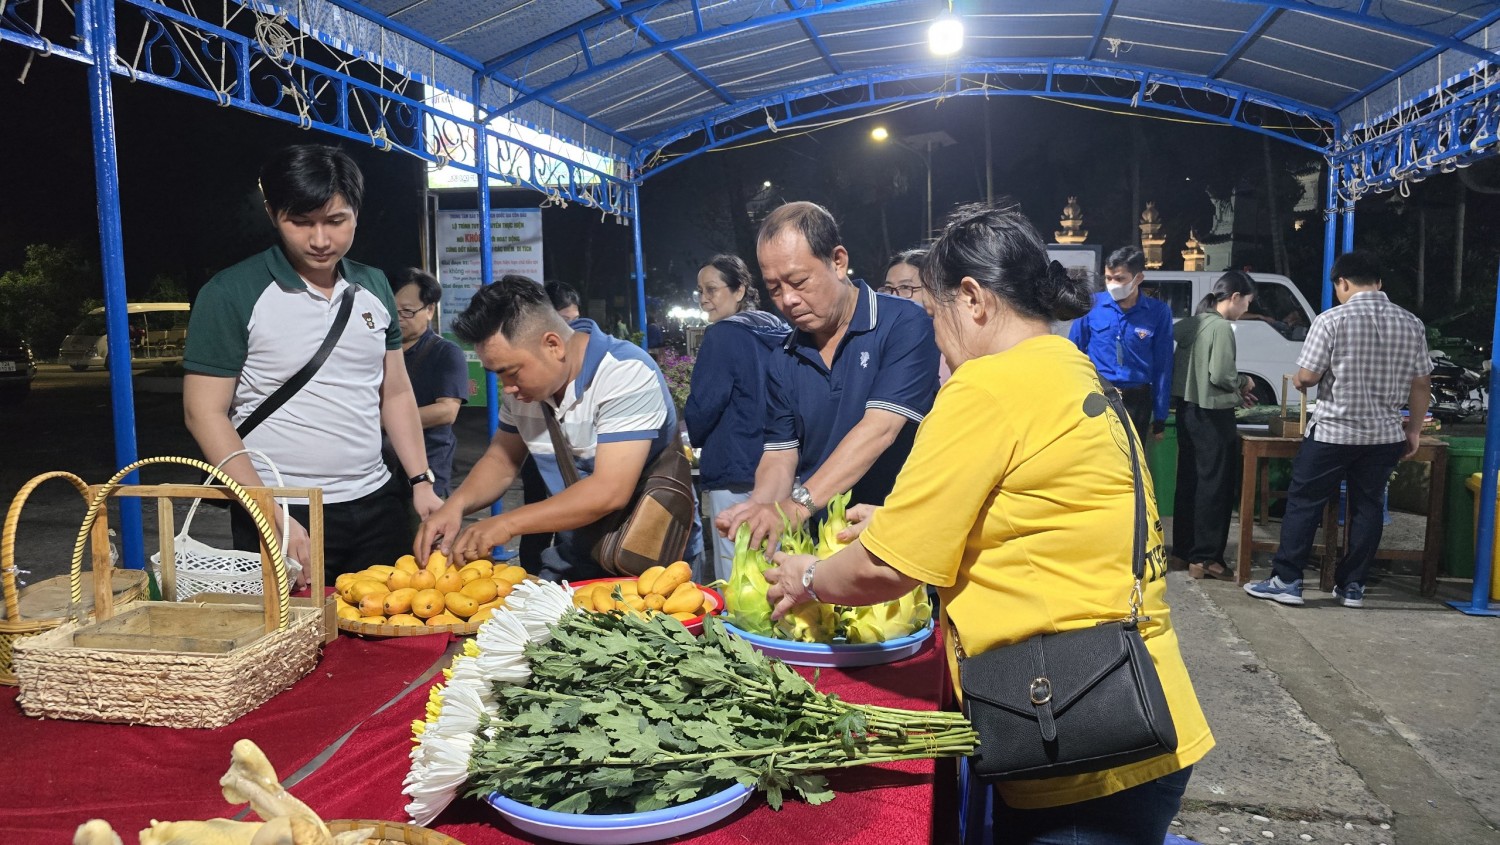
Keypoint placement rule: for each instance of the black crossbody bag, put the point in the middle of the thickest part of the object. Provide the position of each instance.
(1074, 702)
(289, 388)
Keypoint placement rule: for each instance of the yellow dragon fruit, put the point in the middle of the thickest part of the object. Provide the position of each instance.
(809, 622)
(745, 596)
(834, 521)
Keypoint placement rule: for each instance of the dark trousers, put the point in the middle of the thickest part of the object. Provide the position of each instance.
(1138, 404)
(374, 529)
(533, 490)
(1140, 815)
(1316, 473)
(1208, 463)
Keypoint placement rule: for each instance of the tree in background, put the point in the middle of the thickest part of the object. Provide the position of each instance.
(44, 299)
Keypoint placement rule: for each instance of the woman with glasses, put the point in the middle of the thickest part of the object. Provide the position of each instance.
(903, 278)
(726, 409)
(439, 374)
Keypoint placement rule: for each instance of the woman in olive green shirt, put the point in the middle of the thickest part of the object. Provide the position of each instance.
(1208, 386)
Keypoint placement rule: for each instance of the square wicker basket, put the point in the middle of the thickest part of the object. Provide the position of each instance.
(181, 665)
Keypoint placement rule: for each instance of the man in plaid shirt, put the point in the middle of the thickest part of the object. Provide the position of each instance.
(1368, 357)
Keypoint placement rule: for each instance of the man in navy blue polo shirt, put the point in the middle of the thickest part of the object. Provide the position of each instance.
(1129, 339)
(850, 386)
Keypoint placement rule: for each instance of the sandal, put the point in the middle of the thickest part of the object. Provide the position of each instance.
(1217, 571)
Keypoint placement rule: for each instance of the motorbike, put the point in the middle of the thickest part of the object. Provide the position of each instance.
(1458, 392)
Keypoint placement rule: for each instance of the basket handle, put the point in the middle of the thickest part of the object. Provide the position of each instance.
(286, 518)
(262, 527)
(8, 540)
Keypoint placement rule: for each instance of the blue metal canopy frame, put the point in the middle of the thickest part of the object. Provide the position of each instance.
(1386, 92)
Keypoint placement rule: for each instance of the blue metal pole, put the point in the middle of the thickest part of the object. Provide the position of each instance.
(1330, 234)
(97, 22)
(486, 255)
(1348, 227)
(640, 264)
(1484, 552)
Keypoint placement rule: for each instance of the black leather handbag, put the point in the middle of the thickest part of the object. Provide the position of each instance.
(1074, 702)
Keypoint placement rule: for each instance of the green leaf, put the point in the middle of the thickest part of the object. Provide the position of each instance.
(578, 802)
(814, 789)
(591, 745)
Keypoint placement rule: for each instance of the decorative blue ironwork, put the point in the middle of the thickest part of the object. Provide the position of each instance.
(1209, 100)
(1381, 158)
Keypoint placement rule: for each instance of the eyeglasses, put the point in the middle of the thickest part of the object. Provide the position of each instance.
(903, 291)
(408, 313)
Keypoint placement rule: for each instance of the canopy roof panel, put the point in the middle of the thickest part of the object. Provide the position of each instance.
(610, 75)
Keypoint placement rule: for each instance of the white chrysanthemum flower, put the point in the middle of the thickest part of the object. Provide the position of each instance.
(435, 778)
(502, 643)
(539, 604)
(463, 706)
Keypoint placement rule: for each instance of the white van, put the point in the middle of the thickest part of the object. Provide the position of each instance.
(1268, 339)
(158, 332)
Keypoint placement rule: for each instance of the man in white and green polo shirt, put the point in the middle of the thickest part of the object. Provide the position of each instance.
(256, 324)
(613, 408)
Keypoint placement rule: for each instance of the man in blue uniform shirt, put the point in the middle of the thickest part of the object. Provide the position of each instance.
(848, 388)
(1129, 339)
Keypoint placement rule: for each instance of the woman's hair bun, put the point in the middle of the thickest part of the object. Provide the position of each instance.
(1062, 296)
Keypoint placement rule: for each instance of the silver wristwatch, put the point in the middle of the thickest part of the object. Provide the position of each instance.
(807, 579)
(801, 496)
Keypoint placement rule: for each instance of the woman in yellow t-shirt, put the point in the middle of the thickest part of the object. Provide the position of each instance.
(1019, 506)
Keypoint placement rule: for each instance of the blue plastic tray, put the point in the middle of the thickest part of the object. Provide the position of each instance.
(621, 828)
(825, 654)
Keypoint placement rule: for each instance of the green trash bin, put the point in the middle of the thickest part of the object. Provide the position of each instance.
(1465, 457)
(1161, 460)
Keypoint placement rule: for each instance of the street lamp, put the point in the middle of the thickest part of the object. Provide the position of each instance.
(922, 145)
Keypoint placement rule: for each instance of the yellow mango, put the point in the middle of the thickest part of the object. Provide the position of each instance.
(398, 602)
(373, 620)
(513, 574)
(363, 588)
(460, 605)
(450, 582)
(676, 575)
(484, 567)
(603, 599)
(407, 563)
(436, 563)
(481, 590)
(684, 617)
(372, 604)
(404, 619)
(348, 612)
(423, 580)
(654, 602)
(646, 583)
(444, 619)
(399, 580)
(687, 597)
(427, 604)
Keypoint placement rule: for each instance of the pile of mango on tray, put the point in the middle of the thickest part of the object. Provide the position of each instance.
(433, 594)
(660, 589)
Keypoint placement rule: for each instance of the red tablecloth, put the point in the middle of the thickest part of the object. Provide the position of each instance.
(129, 774)
(890, 804)
(60, 773)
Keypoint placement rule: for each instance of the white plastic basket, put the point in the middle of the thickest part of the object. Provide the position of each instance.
(202, 568)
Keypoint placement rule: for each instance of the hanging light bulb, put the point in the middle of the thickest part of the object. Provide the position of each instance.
(946, 35)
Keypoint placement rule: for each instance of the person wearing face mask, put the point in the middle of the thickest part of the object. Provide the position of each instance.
(1208, 386)
(726, 408)
(1129, 338)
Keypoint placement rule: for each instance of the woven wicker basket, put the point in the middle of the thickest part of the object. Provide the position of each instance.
(366, 629)
(168, 663)
(42, 607)
(393, 833)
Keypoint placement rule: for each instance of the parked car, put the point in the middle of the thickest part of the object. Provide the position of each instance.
(17, 368)
(1268, 339)
(158, 332)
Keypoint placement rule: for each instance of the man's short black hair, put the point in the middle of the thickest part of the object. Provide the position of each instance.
(304, 177)
(428, 289)
(561, 295)
(814, 222)
(1360, 267)
(514, 306)
(1129, 257)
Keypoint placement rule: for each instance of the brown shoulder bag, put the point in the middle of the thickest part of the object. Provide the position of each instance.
(653, 529)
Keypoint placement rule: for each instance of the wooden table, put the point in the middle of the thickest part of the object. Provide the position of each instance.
(1257, 448)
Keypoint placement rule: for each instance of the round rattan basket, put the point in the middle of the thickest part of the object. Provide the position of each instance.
(41, 607)
(366, 629)
(392, 833)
